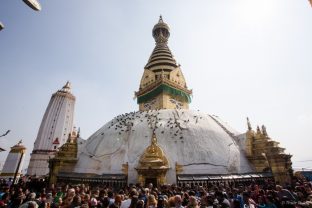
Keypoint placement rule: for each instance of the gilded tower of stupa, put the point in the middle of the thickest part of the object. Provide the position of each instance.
(163, 85)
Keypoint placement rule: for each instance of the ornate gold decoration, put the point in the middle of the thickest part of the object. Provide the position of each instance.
(153, 163)
(65, 159)
(266, 155)
(162, 79)
(153, 156)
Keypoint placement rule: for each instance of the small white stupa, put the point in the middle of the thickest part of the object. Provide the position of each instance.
(13, 165)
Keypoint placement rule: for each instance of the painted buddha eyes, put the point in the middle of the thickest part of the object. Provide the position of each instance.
(177, 103)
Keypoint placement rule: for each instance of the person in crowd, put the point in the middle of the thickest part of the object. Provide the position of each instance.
(178, 201)
(111, 198)
(222, 200)
(248, 202)
(5, 200)
(284, 194)
(140, 204)
(151, 201)
(126, 203)
(134, 201)
(117, 202)
(192, 202)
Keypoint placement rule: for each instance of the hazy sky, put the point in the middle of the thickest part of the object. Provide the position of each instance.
(241, 58)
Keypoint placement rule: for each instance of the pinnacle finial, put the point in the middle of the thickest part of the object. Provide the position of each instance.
(249, 125)
(161, 31)
(258, 130)
(160, 19)
(264, 131)
(66, 87)
(154, 139)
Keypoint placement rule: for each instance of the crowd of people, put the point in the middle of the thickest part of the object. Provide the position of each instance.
(37, 194)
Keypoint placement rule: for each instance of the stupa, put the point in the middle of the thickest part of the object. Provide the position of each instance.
(165, 142)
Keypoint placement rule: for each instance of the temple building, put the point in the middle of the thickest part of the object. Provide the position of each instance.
(14, 162)
(56, 125)
(165, 142)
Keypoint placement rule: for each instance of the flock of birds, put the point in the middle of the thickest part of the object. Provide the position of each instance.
(176, 124)
(171, 124)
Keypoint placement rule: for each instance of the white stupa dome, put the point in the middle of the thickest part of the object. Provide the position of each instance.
(200, 143)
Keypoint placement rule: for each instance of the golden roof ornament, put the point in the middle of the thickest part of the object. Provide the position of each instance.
(153, 156)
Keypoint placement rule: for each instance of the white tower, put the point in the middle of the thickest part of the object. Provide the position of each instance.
(56, 125)
(13, 165)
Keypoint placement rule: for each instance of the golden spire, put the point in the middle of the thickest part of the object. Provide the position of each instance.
(153, 156)
(162, 77)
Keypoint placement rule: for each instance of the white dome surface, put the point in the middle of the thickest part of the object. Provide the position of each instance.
(190, 138)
